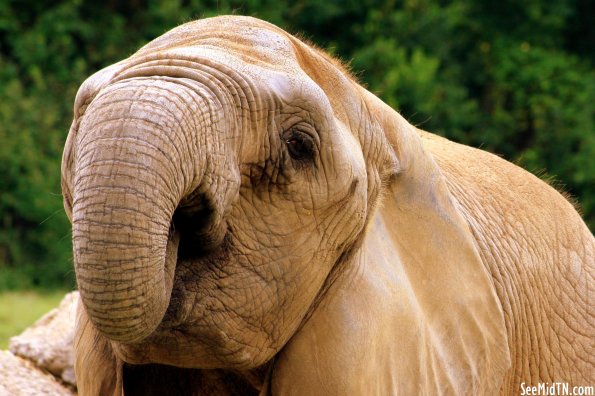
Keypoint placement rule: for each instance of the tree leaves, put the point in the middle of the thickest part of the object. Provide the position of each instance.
(512, 77)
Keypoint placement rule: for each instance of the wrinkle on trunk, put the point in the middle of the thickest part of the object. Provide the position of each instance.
(132, 169)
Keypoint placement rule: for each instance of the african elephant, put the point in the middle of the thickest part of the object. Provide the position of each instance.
(247, 219)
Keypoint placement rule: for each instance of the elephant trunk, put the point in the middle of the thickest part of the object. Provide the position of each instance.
(133, 167)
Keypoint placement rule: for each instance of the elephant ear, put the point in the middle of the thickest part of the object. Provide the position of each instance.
(458, 327)
(85, 95)
(414, 311)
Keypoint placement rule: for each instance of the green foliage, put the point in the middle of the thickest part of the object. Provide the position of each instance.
(515, 78)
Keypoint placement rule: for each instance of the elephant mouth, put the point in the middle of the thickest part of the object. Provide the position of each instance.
(196, 263)
(199, 242)
(180, 330)
(197, 254)
(198, 330)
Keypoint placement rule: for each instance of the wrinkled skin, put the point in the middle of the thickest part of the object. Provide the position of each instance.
(247, 219)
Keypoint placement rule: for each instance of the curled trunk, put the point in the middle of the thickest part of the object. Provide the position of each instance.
(130, 153)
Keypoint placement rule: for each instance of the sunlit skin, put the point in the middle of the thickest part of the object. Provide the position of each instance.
(247, 219)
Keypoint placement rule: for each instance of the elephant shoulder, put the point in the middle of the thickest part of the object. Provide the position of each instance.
(482, 182)
(536, 247)
(501, 200)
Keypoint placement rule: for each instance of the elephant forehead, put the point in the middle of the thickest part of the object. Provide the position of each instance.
(263, 70)
(252, 40)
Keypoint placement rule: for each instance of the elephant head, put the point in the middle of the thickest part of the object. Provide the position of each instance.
(209, 206)
(221, 182)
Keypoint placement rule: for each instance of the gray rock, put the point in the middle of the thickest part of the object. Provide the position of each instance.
(20, 377)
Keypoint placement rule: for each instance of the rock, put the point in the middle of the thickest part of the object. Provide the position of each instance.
(19, 377)
(49, 342)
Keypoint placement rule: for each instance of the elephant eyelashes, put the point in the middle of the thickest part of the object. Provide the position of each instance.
(299, 145)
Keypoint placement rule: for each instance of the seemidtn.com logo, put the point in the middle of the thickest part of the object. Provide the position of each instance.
(555, 389)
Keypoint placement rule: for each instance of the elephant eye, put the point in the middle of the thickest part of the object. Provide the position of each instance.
(299, 145)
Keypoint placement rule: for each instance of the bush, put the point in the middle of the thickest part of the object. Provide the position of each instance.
(515, 78)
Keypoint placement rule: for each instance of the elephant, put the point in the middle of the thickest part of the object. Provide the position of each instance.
(248, 219)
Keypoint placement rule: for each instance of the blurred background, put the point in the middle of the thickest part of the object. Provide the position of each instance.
(516, 78)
